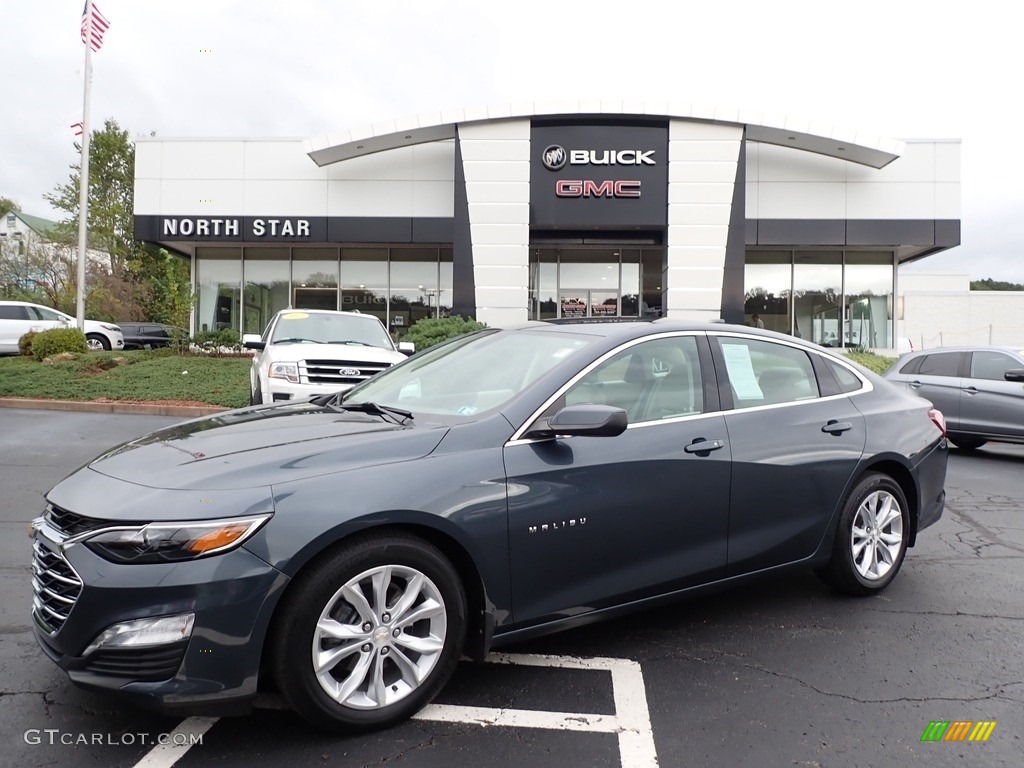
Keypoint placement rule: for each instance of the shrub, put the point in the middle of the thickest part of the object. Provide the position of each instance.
(433, 330)
(57, 340)
(226, 341)
(25, 343)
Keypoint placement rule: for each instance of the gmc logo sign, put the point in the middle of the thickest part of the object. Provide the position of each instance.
(591, 188)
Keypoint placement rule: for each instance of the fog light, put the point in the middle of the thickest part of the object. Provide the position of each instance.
(160, 631)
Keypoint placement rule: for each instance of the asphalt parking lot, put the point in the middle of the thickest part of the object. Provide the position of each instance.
(781, 673)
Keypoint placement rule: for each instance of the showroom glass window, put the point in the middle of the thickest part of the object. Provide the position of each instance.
(413, 291)
(768, 278)
(315, 278)
(364, 281)
(817, 293)
(219, 288)
(868, 299)
(445, 286)
(266, 272)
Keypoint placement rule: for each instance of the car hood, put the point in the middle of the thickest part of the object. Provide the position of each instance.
(264, 445)
(291, 353)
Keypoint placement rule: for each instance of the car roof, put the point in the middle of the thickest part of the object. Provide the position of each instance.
(634, 327)
(977, 348)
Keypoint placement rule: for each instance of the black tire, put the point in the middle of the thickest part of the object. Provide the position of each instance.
(256, 397)
(95, 338)
(315, 599)
(846, 570)
(965, 443)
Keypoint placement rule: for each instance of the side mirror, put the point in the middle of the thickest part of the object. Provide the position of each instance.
(584, 421)
(253, 341)
(407, 348)
(1016, 374)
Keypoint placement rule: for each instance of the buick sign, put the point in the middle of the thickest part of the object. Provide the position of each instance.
(554, 158)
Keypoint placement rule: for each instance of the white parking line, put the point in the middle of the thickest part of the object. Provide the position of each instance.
(631, 721)
(178, 742)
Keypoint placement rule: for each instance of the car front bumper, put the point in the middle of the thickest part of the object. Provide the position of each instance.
(215, 670)
(280, 389)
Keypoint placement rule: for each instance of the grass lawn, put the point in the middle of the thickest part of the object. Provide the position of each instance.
(144, 376)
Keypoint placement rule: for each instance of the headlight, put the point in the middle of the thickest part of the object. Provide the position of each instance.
(111, 327)
(286, 371)
(173, 542)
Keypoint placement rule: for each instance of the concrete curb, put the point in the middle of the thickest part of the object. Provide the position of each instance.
(142, 409)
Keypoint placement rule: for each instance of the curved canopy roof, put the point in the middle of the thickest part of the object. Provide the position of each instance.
(855, 146)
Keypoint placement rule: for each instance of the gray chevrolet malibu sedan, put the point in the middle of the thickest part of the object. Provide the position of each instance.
(348, 549)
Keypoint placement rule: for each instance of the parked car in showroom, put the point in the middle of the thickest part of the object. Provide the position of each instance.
(306, 352)
(19, 317)
(348, 549)
(150, 335)
(980, 390)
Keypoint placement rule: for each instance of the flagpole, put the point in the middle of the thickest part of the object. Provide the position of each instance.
(83, 196)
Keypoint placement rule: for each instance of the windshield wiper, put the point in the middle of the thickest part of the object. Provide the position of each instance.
(294, 340)
(335, 402)
(350, 341)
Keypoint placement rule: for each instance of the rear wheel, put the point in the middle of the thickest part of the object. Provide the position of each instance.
(871, 540)
(966, 443)
(97, 342)
(370, 634)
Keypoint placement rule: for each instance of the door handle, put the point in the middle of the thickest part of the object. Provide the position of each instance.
(700, 445)
(837, 427)
(913, 384)
(970, 390)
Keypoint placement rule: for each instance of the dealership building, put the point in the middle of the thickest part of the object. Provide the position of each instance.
(572, 209)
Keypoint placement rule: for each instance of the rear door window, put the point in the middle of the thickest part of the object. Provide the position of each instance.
(12, 312)
(766, 373)
(941, 364)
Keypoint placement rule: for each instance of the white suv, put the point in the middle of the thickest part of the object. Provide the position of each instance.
(19, 317)
(306, 352)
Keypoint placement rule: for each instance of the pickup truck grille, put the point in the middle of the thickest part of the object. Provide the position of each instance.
(338, 371)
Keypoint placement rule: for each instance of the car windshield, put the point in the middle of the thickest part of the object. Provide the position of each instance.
(469, 376)
(327, 328)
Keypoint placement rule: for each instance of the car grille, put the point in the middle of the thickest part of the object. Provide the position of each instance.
(338, 371)
(55, 587)
(144, 664)
(71, 524)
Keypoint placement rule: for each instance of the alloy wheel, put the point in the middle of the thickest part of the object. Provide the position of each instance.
(379, 637)
(877, 535)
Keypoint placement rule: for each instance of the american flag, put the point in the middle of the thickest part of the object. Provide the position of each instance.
(94, 26)
(78, 128)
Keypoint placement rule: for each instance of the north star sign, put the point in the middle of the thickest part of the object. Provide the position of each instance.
(201, 226)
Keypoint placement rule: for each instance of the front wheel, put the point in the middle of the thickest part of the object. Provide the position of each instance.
(97, 343)
(370, 634)
(871, 540)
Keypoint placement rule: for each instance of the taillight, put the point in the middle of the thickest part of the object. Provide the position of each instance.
(938, 419)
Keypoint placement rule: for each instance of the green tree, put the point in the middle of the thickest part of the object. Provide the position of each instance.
(7, 205)
(988, 284)
(143, 282)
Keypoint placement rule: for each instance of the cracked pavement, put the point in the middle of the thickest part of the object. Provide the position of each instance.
(781, 672)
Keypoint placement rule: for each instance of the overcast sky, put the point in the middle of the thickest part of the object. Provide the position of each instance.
(301, 68)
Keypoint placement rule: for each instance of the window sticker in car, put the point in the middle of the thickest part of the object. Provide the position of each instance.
(295, 316)
(741, 371)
